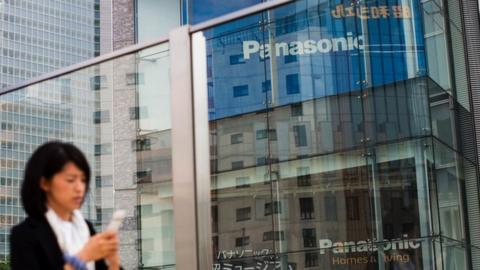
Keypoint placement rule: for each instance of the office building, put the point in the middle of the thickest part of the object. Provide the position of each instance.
(43, 36)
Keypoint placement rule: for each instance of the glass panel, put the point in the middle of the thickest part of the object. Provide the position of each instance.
(459, 62)
(129, 156)
(450, 183)
(328, 201)
(156, 18)
(400, 176)
(302, 101)
(435, 42)
(242, 207)
(443, 118)
(397, 111)
(454, 255)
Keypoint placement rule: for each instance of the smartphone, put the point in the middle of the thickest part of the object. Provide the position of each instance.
(116, 221)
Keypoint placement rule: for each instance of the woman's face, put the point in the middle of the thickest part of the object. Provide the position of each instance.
(66, 189)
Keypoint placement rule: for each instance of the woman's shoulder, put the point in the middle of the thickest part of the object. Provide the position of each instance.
(27, 224)
(26, 229)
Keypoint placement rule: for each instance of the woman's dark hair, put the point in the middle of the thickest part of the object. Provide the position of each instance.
(48, 160)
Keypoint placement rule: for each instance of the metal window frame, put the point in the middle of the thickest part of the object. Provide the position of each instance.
(183, 149)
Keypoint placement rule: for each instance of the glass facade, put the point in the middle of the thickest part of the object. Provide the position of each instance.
(37, 37)
(324, 135)
(42, 36)
(334, 139)
(118, 113)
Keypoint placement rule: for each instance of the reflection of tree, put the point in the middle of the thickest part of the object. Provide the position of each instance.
(4, 265)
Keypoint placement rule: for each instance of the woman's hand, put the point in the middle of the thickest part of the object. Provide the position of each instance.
(99, 246)
(113, 261)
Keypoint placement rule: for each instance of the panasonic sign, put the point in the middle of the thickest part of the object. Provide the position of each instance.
(310, 46)
(368, 245)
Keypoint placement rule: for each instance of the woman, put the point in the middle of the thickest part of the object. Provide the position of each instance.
(55, 235)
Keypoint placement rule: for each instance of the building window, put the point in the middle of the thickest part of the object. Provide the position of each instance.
(66, 90)
(306, 208)
(240, 90)
(237, 59)
(242, 241)
(408, 228)
(143, 176)
(236, 138)
(137, 113)
(352, 208)
(290, 58)
(261, 161)
(236, 165)
(101, 117)
(303, 177)
(214, 218)
(134, 78)
(293, 84)
(7, 126)
(300, 135)
(266, 86)
(146, 210)
(98, 82)
(273, 235)
(263, 133)
(273, 208)
(311, 259)
(242, 182)
(330, 207)
(215, 248)
(265, 160)
(142, 144)
(270, 177)
(309, 238)
(99, 214)
(288, 24)
(103, 149)
(103, 181)
(213, 165)
(388, 231)
(243, 214)
(296, 109)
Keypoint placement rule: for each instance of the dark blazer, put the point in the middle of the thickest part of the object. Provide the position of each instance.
(34, 246)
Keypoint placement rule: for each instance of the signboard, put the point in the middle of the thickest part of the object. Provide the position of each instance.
(402, 253)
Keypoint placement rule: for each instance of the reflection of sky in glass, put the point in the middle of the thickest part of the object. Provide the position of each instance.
(202, 10)
(154, 93)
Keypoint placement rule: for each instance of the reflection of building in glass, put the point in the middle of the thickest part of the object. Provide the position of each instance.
(133, 163)
(155, 209)
(331, 146)
(340, 137)
(316, 55)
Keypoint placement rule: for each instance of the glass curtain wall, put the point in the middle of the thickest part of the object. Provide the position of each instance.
(332, 144)
(118, 113)
(335, 142)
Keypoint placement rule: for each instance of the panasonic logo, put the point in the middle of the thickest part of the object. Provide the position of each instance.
(367, 245)
(310, 46)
